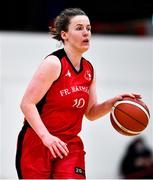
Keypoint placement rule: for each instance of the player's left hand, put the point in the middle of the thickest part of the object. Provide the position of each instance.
(131, 95)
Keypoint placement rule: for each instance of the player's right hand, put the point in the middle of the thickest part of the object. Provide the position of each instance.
(56, 146)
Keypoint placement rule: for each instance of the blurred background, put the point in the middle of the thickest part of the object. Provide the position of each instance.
(122, 55)
(108, 17)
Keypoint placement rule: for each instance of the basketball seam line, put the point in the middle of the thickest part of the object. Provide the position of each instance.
(123, 128)
(130, 116)
(134, 103)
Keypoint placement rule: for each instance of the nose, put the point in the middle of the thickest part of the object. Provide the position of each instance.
(85, 32)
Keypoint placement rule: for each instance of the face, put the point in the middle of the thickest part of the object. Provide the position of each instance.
(79, 33)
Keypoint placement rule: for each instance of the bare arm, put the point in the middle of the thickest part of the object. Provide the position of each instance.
(96, 110)
(48, 71)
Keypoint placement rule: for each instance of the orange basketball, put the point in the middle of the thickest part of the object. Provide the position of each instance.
(130, 116)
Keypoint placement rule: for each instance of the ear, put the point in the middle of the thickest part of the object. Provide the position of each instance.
(64, 35)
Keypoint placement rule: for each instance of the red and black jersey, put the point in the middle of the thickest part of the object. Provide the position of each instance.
(63, 106)
(61, 110)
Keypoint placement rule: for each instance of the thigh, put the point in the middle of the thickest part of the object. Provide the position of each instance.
(32, 158)
(71, 166)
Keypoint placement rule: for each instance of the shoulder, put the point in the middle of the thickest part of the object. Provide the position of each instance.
(55, 57)
(50, 68)
(52, 65)
(89, 64)
(52, 61)
(58, 53)
(89, 68)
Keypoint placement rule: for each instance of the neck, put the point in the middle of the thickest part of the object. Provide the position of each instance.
(74, 56)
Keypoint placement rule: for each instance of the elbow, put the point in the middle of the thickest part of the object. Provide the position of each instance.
(90, 114)
(90, 118)
(22, 105)
(26, 105)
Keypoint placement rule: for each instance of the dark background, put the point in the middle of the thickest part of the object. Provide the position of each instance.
(107, 16)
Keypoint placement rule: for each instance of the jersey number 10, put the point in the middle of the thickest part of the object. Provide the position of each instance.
(79, 103)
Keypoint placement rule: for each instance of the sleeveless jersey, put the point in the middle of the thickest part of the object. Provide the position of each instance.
(63, 106)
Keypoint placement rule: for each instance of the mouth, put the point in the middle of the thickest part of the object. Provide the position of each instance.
(85, 41)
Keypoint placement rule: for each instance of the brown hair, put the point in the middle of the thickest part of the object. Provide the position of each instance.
(62, 22)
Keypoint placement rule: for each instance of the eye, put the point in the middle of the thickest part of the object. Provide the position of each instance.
(79, 28)
(89, 28)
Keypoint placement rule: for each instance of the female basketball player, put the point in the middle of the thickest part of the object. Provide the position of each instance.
(60, 93)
